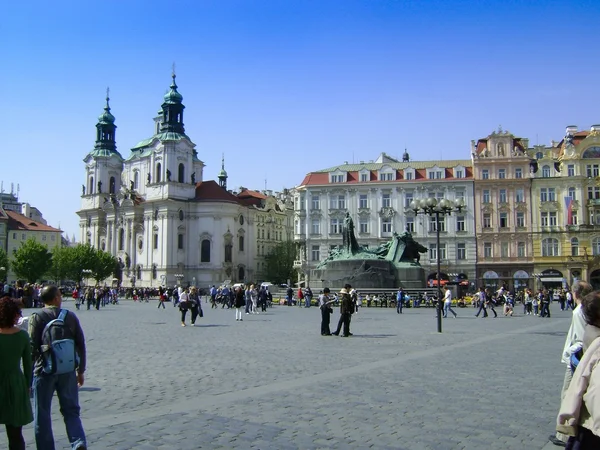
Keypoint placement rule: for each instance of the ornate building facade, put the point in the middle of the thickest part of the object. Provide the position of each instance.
(377, 195)
(155, 212)
(503, 210)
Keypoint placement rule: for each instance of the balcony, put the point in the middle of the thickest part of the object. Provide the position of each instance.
(593, 202)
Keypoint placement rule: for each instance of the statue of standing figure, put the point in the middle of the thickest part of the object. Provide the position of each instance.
(349, 243)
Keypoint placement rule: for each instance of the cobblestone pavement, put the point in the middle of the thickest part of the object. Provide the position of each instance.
(272, 382)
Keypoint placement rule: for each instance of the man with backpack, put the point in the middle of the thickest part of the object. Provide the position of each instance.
(58, 349)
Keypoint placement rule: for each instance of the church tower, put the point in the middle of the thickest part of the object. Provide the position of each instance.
(172, 110)
(104, 165)
(223, 174)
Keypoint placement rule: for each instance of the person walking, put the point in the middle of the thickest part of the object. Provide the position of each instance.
(240, 301)
(248, 299)
(325, 306)
(162, 296)
(399, 300)
(490, 302)
(545, 301)
(289, 295)
(346, 309)
(480, 296)
(573, 343)
(308, 295)
(195, 304)
(448, 303)
(66, 384)
(184, 304)
(254, 299)
(15, 349)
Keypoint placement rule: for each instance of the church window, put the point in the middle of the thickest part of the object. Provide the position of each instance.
(228, 250)
(241, 274)
(205, 251)
(181, 178)
(112, 185)
(181, 215)
(241, 243)
(158, 172)
(154, 272)
(121, 239)
(136, 179)
(91, 186)
(156, 241)
(180, 241)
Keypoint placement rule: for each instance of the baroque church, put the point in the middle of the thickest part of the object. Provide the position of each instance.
(154, 211)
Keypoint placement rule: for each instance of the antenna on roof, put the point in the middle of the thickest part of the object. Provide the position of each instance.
(265, 184)
(18, 189)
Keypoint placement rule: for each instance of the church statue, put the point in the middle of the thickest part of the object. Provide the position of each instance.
(99, 187)
(83, 189)
(412, 248)
(127, 261)
(168, 175)
(148, 178)
(349, 243)
(131, 185)
(194, 178)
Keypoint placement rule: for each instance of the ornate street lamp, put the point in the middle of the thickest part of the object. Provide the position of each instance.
(435, 208)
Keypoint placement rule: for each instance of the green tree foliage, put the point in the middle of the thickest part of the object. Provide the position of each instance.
(32, 261)
(60, 264)
(279, 263)
(104, 266)
(70, 262)
(4, 264)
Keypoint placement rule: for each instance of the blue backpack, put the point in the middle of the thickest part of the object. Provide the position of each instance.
(58, 347)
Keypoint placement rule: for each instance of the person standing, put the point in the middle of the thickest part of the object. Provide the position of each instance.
(481, 301)
(399, 300)
(490, 302)
(308, 295)
(324, 305)
(573, 343)
(346, 309)
(65, 385)
(545, 301)
(161, 297)
(448, 303)
(254, 299)
(290, 295)
(239, 302)
(15, 406)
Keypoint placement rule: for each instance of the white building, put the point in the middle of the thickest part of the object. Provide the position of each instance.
(154, 211)
(377, 195)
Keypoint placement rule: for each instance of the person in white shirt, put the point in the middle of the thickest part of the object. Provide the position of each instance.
(573, 343)
(448, 303)
(183, 305)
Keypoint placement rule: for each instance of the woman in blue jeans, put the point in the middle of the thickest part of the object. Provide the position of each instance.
(448, 303)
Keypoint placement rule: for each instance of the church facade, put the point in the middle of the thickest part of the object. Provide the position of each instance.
(155, 212)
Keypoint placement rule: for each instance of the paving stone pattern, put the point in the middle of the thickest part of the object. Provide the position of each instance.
(272, 382)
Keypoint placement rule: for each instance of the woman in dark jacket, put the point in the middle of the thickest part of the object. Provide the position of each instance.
(195, 304)
(240, 302)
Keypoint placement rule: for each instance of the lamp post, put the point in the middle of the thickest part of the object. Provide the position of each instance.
(434, 208)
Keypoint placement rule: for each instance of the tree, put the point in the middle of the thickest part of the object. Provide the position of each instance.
(104, 266)
(81, 257)
(279, 263)
(61, 263)
(32, 261)
(4, 264)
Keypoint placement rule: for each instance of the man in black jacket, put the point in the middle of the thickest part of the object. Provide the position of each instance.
(346, 310)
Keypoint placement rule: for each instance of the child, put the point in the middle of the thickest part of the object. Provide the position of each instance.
(536, 304)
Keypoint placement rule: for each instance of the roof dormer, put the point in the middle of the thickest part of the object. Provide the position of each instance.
(409, 173)
(337, 176)
(386, 173)
(435, 173)
(459, 172)
(364, 175)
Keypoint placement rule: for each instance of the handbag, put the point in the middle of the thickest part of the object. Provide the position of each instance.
(201, 314)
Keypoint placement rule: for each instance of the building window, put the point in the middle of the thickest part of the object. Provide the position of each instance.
(574, 247)
(520, 219)
(316, 226)
(553, 219)
(504, 250)
(433, 223)
(544, 219)
(181, 173)
(364, 226)
(593, 192)
(592, 170)
(546, 172)
(502, 195)
(241, 243)
(121, 239)
(386, 201)
(337, 178)
(551, 194)
(433, 254)
(520, 195)
(112, 187)
(550, 247)
(386, 176)
(572, 193)
(316, 202)
(460, 223)
(386, 226)
(158, 174)
(335, 226)
(363, 201)
(43, 237)
(180, 241)
(408, 175)
(14, 235)
(136, 179)
(435, 174)
(315, 253)
(518, 172)
(571, 170)
(410, 224)
(228, 252)
(485, 174)
(408, 198)
(501, 174)
(503, 220)
(461, 251)
(521, 250)
(574, 219)
(460, 173)
(487, 249)
(596, 246)
(155, 241)
(364, 177)
(486, 196)
(487, 220)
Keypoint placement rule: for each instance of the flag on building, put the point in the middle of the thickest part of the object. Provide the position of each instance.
(569, 210)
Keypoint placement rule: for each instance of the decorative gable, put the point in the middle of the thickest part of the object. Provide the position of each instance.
(337, 176)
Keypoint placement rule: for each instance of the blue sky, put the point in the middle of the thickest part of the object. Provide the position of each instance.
(285, 87)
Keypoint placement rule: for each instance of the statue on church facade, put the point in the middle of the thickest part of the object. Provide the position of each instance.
(83, 189)
(168, 175)
(99, 187)
(148, 178)
(194, 178)
(131, 185)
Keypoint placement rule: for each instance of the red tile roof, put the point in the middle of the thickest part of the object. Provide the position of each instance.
(18, 221)
(210, 191)
(248, 193)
